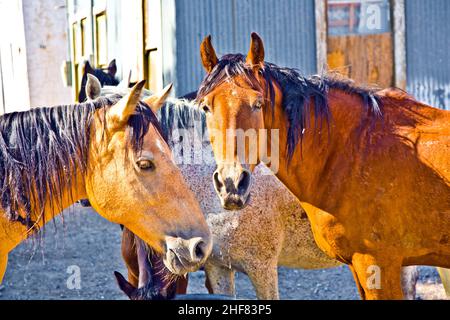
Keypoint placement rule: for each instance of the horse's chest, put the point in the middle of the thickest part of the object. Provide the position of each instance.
(329, 233)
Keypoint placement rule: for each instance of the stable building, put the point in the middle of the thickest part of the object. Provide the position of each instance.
(401, 43)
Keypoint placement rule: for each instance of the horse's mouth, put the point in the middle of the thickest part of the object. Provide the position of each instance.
(161, 283)
(178, 265)
(236, 204)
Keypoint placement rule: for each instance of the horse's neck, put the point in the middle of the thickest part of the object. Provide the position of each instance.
(309, 170)
(13, 233)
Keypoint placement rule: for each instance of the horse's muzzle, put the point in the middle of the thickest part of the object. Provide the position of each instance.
(233, 189)
(233, 202)
(186, 255)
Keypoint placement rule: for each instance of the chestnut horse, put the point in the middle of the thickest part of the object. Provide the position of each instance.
(148, 278)
(110, 151)
(272, 231)
(370, 168)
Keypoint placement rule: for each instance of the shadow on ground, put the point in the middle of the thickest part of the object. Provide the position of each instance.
(86, 241)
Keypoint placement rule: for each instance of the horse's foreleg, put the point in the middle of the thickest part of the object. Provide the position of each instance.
(3, 264)
(219, 280)
(182, 284)
(361, 292)
(265, 282)
(208, 284)
(409, 280)
(379, 278)
(445, 278)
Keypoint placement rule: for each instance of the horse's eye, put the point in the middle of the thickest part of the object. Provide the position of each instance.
(205, 108)
(257, 105)
(145, 164)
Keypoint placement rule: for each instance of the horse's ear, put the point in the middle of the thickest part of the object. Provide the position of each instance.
(93, 87)
(255, 56)
(112, 68)
(124, 285)
(119, 113)
(157, 100)
(87, 68)
(208, 54)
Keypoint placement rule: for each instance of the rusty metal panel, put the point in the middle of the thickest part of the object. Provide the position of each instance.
(428, 51)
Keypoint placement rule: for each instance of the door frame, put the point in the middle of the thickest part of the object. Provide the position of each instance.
(398, 34)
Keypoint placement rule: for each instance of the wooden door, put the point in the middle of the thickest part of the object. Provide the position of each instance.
(152, 45)
(360, 40)
(88, 37)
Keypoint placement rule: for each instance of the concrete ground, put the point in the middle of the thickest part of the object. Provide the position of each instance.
(86, 242)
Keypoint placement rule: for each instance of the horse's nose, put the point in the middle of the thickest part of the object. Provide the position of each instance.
(186, 255)
(218, 182)
(233, 202)
(198, 249)
(231, 185)
(244, 181)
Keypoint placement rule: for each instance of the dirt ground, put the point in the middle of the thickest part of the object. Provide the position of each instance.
(85, 240)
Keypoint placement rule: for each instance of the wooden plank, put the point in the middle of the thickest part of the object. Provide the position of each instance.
(399, 26)
(366, 59)
(321, 35)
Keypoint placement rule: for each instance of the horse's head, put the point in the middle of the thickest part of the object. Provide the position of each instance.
(132, 180)
(155, 281)
(107, 78)
(233, 96)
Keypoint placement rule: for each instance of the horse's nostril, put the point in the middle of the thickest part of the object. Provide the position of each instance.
(217, 181)
(244, 182)
(198, 250)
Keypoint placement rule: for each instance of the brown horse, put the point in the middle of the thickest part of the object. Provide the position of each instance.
(272, 230)
(371, 168)
(148, 278)
(110, 151)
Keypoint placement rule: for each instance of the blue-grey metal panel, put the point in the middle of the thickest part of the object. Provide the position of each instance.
(113, 11)
(169, 44)
(286, 26)
(428, 51)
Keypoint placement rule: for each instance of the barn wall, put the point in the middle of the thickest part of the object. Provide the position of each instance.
(46, 41)
(286, 26)
(125, 37)
(14, 89)
(115, 34)
(428, 51)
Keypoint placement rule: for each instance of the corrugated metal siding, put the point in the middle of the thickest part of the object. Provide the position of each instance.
(428, 51)
(286, 26)
(113, 11)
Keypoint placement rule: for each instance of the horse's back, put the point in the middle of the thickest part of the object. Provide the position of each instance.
(426, 128)
(413, 167)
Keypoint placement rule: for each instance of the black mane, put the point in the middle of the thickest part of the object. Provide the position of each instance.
(41, 151)
(297, 90)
